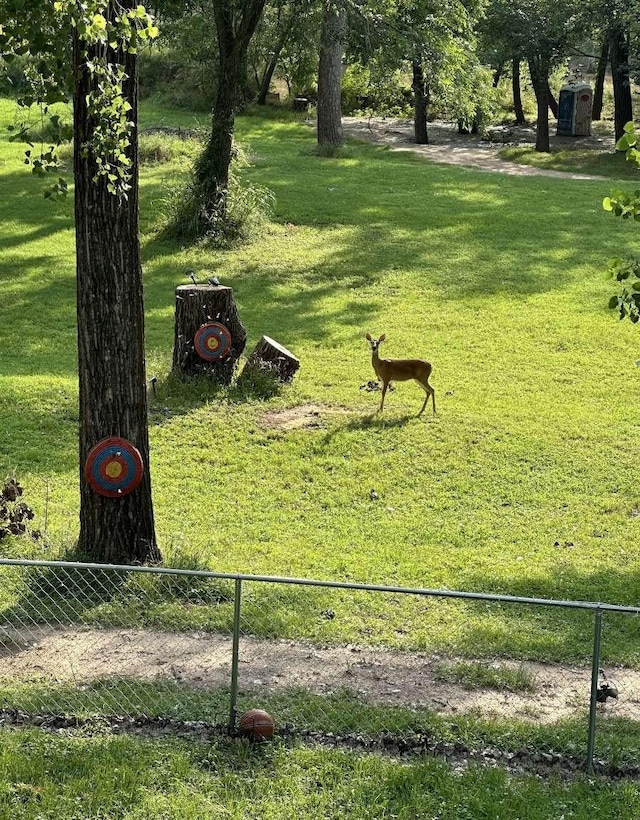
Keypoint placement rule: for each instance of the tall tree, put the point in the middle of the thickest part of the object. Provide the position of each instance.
(421, 100)
(109, 283)
(620, 75)
(598, 85)
(542, 32)
(236, 22)
(617, 26)
(332, 39)
(284, 23)
(518, 109)
(435, 38)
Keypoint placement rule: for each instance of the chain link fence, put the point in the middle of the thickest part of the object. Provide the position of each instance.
(87, 640)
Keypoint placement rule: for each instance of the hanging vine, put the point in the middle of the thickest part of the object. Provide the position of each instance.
(104, 29)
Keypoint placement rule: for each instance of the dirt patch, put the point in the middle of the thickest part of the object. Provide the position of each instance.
(203, 661)
(446, 146)
(304, 416)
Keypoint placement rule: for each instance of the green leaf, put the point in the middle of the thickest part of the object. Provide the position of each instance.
(607, 203)
(629, 128)
(625, 142)
(613, 302)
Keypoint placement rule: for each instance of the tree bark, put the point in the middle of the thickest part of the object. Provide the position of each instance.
(334, 31)
(195, 306)
(265, 83)
(518, 110)
(285, 28)
(598, 89)
(275, 358)
(539, 69)
(212, 167)
(619, 54)
(497, 74)
(421, 101)
(111, 358)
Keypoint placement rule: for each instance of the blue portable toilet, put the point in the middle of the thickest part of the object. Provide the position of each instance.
(574, 110)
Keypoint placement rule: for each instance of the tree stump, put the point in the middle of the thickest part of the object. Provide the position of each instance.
(275, 359)
(209, 336)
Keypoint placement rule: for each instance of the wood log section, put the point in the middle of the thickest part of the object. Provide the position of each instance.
(274, 358)
(197, 305)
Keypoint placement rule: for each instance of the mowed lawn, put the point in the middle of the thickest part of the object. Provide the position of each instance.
(526, 480)
(59, 776)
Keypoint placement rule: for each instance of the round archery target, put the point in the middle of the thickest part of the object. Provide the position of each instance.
(114, 467)
(212, 342)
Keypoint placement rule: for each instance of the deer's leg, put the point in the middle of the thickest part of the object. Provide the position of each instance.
(430, 392)
(384, 393)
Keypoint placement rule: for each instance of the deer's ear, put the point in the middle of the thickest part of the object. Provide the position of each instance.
(368, 336)
(382, 338)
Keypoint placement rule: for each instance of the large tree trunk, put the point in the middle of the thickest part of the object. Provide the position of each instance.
(518, 110)
(598, 89)
(111, 363)
(539, 69)
(421, 101)
(212, 167)
(198, 306)
(619, 53)
(334, 30)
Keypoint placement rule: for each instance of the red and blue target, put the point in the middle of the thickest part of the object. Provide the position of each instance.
(212, 342)
(114, 467)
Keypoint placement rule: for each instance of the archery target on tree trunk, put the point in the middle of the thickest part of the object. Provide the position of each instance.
(212, 342)
(114, 467)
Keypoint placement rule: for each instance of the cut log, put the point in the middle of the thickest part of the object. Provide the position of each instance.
(209, 336)
(272, 357)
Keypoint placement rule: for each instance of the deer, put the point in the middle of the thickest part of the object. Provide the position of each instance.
(400, 370)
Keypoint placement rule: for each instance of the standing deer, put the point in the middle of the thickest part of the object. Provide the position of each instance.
(401, 370)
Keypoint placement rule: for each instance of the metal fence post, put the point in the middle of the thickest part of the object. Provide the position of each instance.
(233, 708)
(595, 671)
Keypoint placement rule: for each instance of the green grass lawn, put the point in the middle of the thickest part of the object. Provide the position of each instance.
(128, 778)
(576, 160)
(526, 480)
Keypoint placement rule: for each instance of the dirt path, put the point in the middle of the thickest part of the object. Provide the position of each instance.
(448, 147)
(203, 661)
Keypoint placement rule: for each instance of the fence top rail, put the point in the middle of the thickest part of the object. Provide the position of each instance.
(311, 582)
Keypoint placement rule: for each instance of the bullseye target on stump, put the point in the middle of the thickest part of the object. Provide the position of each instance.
(212, 342)
(114, 467)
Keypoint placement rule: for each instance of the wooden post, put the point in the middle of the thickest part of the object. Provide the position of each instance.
(213, 306)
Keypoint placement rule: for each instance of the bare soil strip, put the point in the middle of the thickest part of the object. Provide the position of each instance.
(448, 147)
(203, 661)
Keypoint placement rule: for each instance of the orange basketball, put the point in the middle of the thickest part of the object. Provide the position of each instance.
(256, 725)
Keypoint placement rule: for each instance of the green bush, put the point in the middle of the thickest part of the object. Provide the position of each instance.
(168, 76)
(246, 210)
(13, 81)
(367, 88)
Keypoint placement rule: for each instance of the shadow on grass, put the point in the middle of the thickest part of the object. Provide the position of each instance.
(557, 633)
(104, 598)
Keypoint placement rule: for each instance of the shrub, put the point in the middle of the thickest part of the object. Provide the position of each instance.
(370, 89)
(246, 209)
